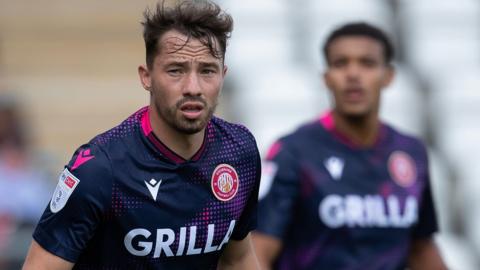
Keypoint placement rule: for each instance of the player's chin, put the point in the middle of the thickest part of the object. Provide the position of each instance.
(357, 111)
(192, 126)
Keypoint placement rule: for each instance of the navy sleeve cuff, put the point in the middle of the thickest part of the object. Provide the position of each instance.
(55, 247)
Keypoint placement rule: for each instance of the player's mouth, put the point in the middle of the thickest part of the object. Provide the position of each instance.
(192, 110)
(354, 94)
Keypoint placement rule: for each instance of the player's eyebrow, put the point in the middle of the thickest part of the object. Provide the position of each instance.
(210, 64)
(184, 62)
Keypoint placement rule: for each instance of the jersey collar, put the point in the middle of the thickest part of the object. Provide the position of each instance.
(328, 122)
(162, 148)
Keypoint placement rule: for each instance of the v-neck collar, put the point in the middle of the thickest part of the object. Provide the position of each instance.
(162, 148)
(328, 122)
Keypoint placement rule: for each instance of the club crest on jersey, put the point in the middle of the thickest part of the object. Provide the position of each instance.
(66, 185)
(225, 182)
(402, 168)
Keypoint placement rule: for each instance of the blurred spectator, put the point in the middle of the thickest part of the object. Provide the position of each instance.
(24, 189)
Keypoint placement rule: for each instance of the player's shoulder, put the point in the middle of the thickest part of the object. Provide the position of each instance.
(93, 159)
(223, 124)
(126, 129)
(403, 138)
(231, 130)
(87, 175)
(90, 161)
(293, 144)
(304, 135)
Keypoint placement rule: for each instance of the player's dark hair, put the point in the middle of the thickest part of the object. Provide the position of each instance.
(203, 20)
(361, 29)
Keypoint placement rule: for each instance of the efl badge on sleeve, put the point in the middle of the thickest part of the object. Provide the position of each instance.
(66, 185)
(402, 168)
(269, 171)
(224, 182)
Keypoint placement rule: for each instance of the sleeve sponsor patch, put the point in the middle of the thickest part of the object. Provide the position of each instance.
(269, 171)
(65, 187)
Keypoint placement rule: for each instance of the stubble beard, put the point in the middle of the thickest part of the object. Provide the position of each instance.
(173, 117)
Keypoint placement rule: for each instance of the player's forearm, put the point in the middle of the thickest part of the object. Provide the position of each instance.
(239, 255)
(267, 249)
(434, 263)
(264, 261)
(424, 254)
(264, 266)
(248, 261)
(40, 259)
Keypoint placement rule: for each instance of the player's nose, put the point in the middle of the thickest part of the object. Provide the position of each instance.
(192, 85)
(352, 70)
(352, 73)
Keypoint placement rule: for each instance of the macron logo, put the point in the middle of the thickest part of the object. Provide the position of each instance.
(334, 166)
(153, 186)
(82, 157)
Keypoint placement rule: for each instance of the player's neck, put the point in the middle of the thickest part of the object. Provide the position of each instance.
(362, 131)
(183, 144)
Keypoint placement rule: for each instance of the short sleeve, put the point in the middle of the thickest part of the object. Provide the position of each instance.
(427, 220)
(248, 219)
(276, 207)
(77, 204)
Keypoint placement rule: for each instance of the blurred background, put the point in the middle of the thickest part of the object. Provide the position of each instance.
(68, 72)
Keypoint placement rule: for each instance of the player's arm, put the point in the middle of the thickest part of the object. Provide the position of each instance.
(277, 205)
(424, 254)
(74, 212)
(40, 259)
(267, 249)
(238, 255)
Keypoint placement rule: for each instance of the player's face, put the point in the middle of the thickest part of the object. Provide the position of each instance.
(356, 74)
(184, 81)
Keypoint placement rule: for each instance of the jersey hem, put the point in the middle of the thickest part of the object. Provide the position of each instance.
(240, 237)
(269, 233)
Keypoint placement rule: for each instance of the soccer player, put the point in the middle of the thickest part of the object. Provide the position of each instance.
(171, 187)
(348, 191)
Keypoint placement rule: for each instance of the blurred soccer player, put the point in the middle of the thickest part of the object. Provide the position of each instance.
(348, 191)
(171, 187)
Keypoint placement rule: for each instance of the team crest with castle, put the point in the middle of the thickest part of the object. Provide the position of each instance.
(225, 182)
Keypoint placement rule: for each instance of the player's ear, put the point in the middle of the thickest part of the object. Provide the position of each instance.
(326, 80)
(389, 75)
(225, 68)
(145, 78)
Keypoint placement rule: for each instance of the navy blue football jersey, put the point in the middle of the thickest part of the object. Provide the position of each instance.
(335, 205)
(126, 201)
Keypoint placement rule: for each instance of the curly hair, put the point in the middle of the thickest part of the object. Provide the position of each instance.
(204, 21)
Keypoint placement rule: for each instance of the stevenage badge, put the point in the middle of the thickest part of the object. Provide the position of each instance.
(66, 185)
(402, 168)
(225, 182)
